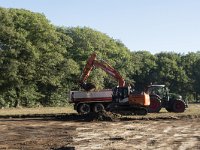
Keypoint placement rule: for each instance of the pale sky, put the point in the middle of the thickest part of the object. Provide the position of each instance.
(152, 25)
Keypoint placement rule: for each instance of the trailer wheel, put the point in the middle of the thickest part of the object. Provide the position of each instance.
(178, 106)
(83, 108)
(98, 107)
(155, 105)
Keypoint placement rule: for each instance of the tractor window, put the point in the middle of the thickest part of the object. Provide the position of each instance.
(162, 92)
(157, 91)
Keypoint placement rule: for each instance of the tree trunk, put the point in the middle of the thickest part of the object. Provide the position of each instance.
(17, 101)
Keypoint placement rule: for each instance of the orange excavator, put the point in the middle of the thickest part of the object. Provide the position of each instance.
(124, 98)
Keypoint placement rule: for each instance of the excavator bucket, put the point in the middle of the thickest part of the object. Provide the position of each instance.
(87, 86)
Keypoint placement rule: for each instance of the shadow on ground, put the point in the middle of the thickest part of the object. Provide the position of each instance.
(101, 116)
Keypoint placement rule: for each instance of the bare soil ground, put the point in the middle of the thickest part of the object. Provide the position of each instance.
(64, 132)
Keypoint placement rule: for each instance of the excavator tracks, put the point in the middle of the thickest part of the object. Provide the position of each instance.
(127, 109)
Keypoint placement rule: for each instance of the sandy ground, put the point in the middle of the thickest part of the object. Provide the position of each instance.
(38, 133)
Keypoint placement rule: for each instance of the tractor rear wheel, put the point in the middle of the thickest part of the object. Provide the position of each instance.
(155, 105)
(178, 106)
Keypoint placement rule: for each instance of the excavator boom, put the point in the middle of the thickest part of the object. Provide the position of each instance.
(93, 62)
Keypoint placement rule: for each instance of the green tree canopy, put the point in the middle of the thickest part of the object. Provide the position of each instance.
(31, 52)
(170, 71)
(143, 72)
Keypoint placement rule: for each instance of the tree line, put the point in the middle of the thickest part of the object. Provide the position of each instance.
(40, 63)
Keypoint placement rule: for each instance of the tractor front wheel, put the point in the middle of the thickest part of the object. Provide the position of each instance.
(178, 106)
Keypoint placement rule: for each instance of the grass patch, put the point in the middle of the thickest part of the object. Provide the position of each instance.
(39, 110)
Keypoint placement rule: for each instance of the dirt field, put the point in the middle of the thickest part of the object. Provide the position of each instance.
(73, 133)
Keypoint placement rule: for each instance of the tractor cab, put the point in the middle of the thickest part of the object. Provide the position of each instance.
(160, 91)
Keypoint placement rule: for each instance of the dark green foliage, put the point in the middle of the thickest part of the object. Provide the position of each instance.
(170, 71)
(196, 76)
(41, 63)
(144, 72)
(32, 52)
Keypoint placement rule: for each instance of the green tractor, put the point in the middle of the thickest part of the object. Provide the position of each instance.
(161, 98)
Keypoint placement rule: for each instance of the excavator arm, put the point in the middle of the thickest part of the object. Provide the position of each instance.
(93, 62)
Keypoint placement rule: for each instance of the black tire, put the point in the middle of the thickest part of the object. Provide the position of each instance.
(83, 109)
(155, 105)
(98, 107)
(178, 106)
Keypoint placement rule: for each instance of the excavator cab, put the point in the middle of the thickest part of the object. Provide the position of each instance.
(120, 94)
(124, 95)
